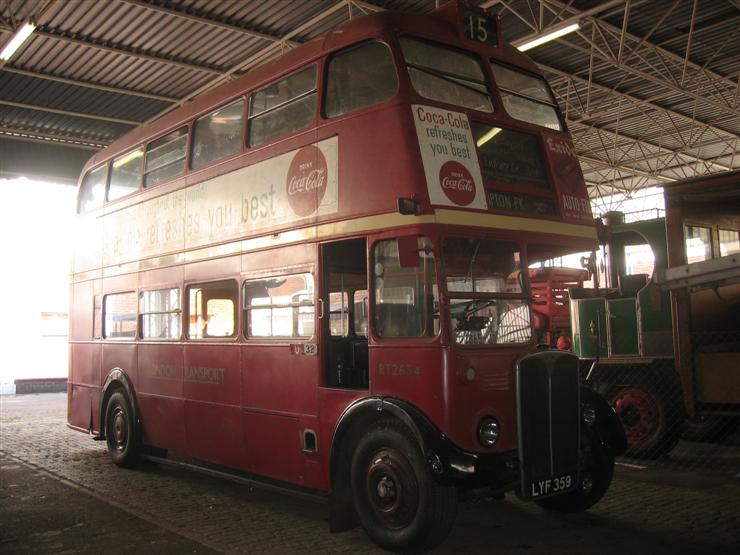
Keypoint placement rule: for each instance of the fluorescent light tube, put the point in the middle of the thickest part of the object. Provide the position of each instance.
(16, 41)
(548, 37)
(490, 134)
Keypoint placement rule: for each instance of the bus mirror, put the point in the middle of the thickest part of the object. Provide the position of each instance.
(408, 206)
(408, 252)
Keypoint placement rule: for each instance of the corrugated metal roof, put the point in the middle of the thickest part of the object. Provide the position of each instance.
(641, 111)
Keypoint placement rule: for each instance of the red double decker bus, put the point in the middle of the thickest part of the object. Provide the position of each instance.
(313, 275)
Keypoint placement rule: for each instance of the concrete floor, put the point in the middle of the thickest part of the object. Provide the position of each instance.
(59, 493)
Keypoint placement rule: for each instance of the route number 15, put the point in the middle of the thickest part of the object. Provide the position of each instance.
(480, 28)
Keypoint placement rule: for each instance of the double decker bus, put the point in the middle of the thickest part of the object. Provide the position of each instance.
(313, 275)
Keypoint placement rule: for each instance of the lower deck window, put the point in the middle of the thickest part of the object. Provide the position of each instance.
(160, 314)
(212, 310)
(280, 306)
(406, 301)
(119, 316)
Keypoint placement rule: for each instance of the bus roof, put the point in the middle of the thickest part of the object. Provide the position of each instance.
(440, 25)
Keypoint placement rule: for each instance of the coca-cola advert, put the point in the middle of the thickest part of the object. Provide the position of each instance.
(307, 177)
(268, 195)
(457, 183)
(450, 160)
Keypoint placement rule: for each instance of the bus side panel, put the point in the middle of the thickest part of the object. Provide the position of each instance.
(280, 384)
(414, 374)
(212, 403)
(160, 398)
(274, 446)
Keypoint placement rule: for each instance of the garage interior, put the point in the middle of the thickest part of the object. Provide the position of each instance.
(650, 90)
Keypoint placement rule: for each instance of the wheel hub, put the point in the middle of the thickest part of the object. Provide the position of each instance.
(392, 489)
(120, 429)
(639, 413)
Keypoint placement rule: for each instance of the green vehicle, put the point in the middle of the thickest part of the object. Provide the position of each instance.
(662, 342)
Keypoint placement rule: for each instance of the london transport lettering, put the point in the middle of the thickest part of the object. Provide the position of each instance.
(192, 374)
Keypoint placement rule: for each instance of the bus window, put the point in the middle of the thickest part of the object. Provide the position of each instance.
(360, 312)
(92, 190)
(526, 98)
(406, 300)
(160, 314)
(217, 135)
(698, 243)
(509, 156)
(119, 316)
(729, 242)
(447, 75)
(280, 306)
(165, 157)
(212, 310)
(360, 77)
(499, 313)
(125, 175)
(284, 106)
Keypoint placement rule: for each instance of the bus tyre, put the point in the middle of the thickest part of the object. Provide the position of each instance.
(120, 431)
(650, 406)
(397, 501)
(597, 471)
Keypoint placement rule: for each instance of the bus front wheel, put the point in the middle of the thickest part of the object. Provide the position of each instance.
(397, 501)
(120, 431)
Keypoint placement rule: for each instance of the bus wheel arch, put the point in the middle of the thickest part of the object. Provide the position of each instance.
(396, 499)
(388, 427)
(356, 419)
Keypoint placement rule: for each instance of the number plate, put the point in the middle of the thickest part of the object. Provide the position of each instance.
(538, 489)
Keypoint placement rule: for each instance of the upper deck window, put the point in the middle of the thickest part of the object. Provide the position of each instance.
(217, 135)
(447, 75)
(526, 97)
(125, 175)
(509, 156)
(92, 190)
(360, 77)
(165, 157)
(286, 105)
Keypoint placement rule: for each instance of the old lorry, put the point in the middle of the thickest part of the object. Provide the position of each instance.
(663, 343)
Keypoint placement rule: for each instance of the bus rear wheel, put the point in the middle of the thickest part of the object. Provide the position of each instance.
(397, 501)
(120, 431)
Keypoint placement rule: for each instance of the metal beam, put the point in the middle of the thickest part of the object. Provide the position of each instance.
(32, 136)
(120, 49)
(68, 113)
(254, 59)
(672, 55)
(87, 85)
(630, 98)
(204, 20)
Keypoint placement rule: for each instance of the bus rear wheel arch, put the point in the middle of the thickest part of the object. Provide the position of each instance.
(397, 501)
(121, 432)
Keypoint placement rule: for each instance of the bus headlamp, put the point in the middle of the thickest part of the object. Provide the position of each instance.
(488, 431)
